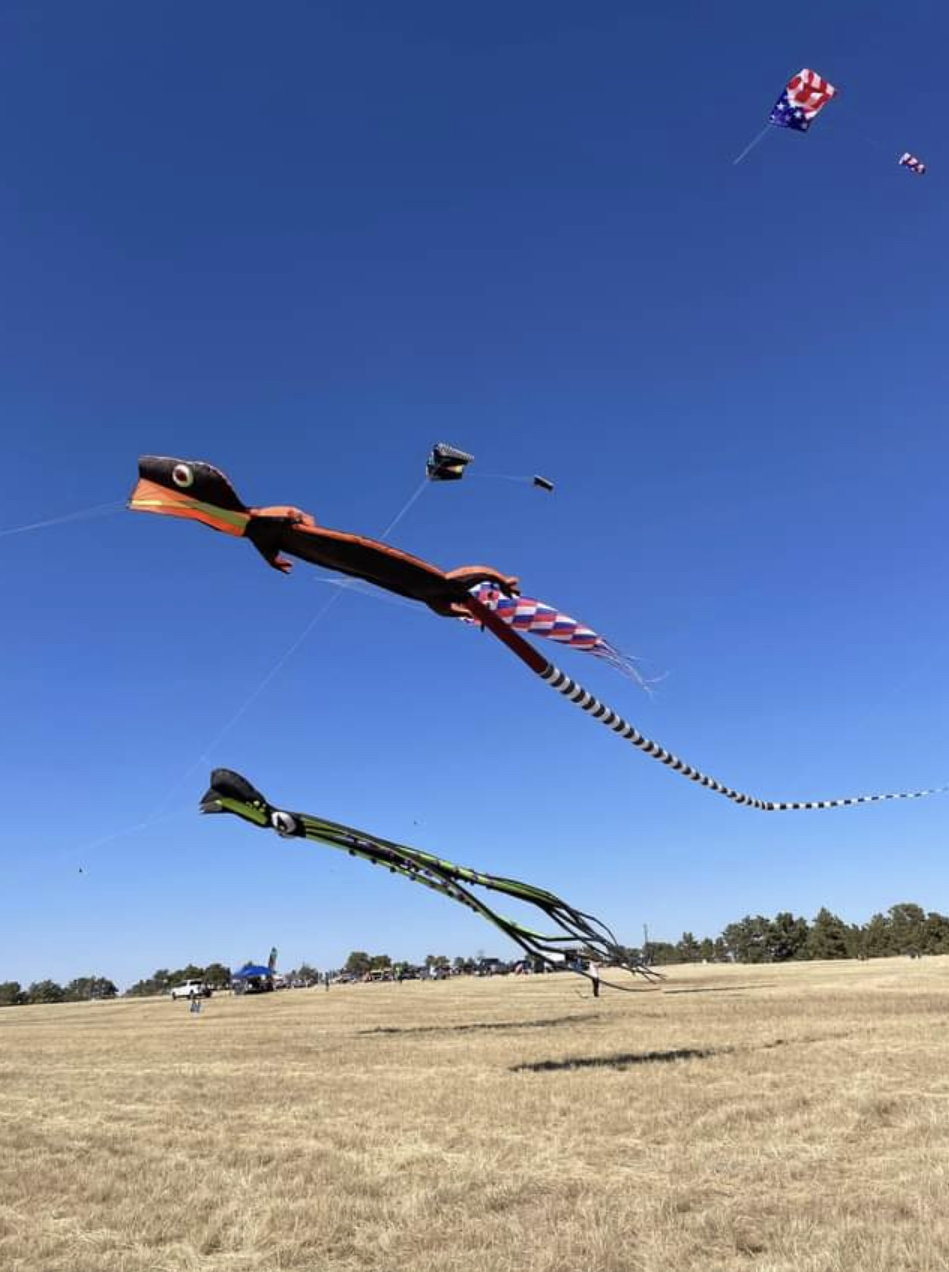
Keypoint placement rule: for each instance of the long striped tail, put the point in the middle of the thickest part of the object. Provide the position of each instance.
(576, 693)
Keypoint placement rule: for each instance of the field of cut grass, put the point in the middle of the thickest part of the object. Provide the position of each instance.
(790, 1118)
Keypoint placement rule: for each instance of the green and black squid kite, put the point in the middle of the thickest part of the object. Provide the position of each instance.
(199, 492)
(580, 935)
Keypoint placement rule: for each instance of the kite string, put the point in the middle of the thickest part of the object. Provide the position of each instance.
(404, 509)
(90, 845)
(359, 588)
(277, 667)
(751, 145)
(84, 514)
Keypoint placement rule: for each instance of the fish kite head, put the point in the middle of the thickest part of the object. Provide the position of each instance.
(231, 793)
(188, 488)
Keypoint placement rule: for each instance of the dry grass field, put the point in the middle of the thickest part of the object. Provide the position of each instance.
(792, 1118)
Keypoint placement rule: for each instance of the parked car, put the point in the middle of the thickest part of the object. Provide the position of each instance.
(191, 989)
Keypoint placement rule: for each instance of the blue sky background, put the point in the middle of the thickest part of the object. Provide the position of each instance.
(306, 242)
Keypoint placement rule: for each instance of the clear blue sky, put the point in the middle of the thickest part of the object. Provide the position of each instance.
(305, 242)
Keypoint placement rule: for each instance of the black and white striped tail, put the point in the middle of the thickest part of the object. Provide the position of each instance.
(600, 711)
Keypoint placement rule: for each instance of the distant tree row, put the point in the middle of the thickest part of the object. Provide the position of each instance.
(215, 974)
(360, 963)
(904, 929)
(160, 982)
(82, 989)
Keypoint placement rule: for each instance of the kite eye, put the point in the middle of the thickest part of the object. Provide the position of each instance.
(283, 824)
(182, 475)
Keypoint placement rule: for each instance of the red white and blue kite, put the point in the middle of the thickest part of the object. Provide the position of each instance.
(803, 99)
(910, 161)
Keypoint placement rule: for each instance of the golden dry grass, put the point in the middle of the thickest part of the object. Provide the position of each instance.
(791, 1118)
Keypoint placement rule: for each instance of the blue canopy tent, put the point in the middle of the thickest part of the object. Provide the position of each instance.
(252, 978)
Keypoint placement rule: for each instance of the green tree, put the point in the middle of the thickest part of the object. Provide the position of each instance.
(907, 928)
(11, 994)
(748, 940)
(787, 938)
(877, 937)
(828, 937)
(158, 983)
(85, 988)
(936, 934)
(46, 991)
(358, 963)
(661, 953)
(217, 976)
(857, 941)
(688, 949)
(191, 972)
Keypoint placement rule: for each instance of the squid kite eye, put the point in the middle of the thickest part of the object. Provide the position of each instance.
(182, 475)
(283, 823)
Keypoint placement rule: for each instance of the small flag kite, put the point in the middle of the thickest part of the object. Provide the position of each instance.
(910, 161)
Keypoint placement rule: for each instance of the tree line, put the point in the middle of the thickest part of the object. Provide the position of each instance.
(905, 929)
(80, 990)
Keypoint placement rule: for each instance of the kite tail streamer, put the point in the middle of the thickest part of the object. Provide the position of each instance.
(525, 614)
(576, 693)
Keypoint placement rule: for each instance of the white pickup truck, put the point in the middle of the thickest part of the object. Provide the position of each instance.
(191, 989)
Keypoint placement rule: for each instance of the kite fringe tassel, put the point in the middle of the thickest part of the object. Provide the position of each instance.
(526, 614)
(625, 664)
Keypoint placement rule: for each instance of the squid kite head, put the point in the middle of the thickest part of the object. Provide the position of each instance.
(231, 793)
(188, 488)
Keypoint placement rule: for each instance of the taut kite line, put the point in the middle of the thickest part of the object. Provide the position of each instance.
(200, 492)
(579, 933)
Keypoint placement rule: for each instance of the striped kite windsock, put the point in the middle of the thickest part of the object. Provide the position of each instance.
(527, 615)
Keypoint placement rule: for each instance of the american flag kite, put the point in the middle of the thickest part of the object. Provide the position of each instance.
(910, 161)
(803, 99)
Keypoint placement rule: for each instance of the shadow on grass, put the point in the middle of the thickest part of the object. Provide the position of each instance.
(723, 989)
(482, 1025)
(625, 1060)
